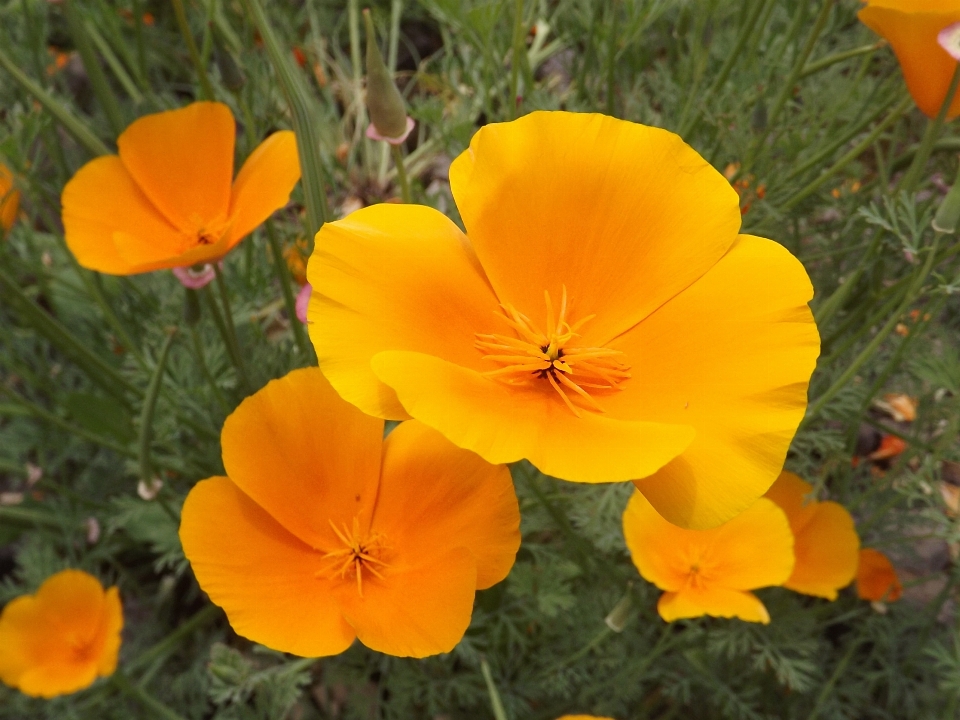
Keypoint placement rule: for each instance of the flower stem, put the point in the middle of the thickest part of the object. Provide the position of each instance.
(205, 370)
(206, 90)
(229, 338)
(149, 405)
(91, 64)
(286, 285)
(518, 48)
(401, 173)
(143, 697)
(498, 712)
(912, 176)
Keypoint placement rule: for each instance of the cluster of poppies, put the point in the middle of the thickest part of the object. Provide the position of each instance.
(601, 318)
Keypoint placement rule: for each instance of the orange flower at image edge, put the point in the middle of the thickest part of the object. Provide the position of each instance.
(61, 639)
(9, 198)
(325, 532)
(912, 27)
(876, 579)
(583, 717)
(601, 318)
(826, 544)
(709, 572)
(169, 199)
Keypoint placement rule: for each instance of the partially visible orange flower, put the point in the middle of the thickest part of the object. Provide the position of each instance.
(61, 639)
(169, 198)
(9, 198)
(876, 578)
(911, 27)
(709, 572)
(825, 541)
(583, 717)
(296, 256)
(325, 532)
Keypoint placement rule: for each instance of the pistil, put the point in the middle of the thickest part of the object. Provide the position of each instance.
(358, 555)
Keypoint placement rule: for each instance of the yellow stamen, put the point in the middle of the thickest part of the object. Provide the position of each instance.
(359, 555)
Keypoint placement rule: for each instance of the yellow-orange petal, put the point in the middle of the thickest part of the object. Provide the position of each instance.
(876, 578)
(716, 602)
(583, 717)
(183, 162)
(394, 277)
(623, 215)
(911, 29)
(731, 356)
(9, 198)
(418, 608)
(105, 214)
(263, 576)
(794, 496)
(305, 455)
(434, 496)
(263, 184)
(61, 639)
(503, 423)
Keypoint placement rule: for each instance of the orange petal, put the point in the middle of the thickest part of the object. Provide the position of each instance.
(716, 602)
(731, 356)
(417, 609)
(504, 423)
(305, 456)
(263, 577)
(9, 198)
(912, 28)
(794, 496)
(263, 184)
(183, 161)
(876, 578)
(827, 550)
(394, 277)
(434, 496)
(104, 211)
(623, 215)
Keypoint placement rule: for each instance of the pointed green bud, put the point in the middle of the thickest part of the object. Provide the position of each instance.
(948, 214)
(384, 102)
(621, 613)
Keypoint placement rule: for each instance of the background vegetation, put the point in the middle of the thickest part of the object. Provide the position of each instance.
(796, 101)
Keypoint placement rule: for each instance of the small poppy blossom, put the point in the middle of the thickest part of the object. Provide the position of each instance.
(9, 198)
(825, 541)
(912, 27)
(710, 572)
(876, 578)
(583, 717)
(169, 199)
(603, 321)
(61, 639)
(347, 535)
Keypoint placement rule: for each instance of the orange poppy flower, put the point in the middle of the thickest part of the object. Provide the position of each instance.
(9, 198)
(825, 541)
(876, 578)
(61, 639)
(348, 535)
(169, 199)
(709, 572)
(604, 319)
(583, 717)
(911, 27)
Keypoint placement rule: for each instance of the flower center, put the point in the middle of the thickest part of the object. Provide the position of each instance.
(554, 356)
(360, 554)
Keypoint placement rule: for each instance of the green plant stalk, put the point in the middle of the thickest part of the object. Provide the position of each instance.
(141, 47)
(157, 708)
(116, 66)
(81, 133)
(613, 7)
(518, 48)
(224, 334)
(880, 337)
(300, 102)
(28, 516)
(834, 677)
(205, 370)
(96, 369)
(865, 317)
(149, 405)
(848, 157)
(286, 286)
(401, 173)
(910, 180)
(91, 63)
(495, 703)
(231, 328)
(393, 44)
(206, 90)
(830, 60)
(829, 307)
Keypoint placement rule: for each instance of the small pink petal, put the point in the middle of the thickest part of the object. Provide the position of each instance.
(303, 300)
(195, 279)
(949, 39)
(374, 135)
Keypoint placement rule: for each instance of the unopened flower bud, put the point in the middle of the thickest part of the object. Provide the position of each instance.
(618, 617)
(384, 102)
(948, 214)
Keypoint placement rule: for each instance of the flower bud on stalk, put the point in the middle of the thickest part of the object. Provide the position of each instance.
(948, 214)
(388, 115)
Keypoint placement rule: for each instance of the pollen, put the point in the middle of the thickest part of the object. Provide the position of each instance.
(360, 554)
(531, 356)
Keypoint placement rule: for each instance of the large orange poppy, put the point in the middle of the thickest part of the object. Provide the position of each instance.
(61, 639)
(710, 572)
(601, 318)
(826, 543)
(324, 532)
(169, 199)
(911, 27)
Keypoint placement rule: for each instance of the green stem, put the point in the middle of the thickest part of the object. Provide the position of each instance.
(149, 405)
(826, 62)
(90, 282)
(143, 697)
(401, 173)
(286, 286)
(518, 47)
(141, 48)
(230, 328)
(205, 370)
(909, 182)
(837, 672)
(28, 516)
(113, 61)
(171, 641)
(206, 90)
(495, 703)
(825, 311)
(81, 133)
(91, 63)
